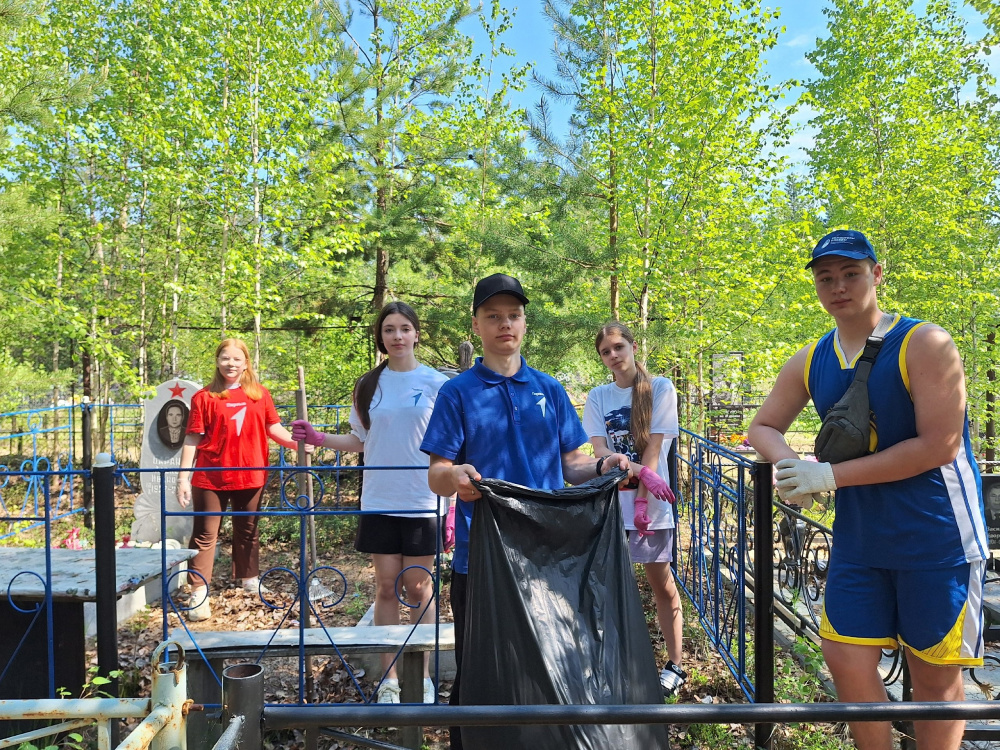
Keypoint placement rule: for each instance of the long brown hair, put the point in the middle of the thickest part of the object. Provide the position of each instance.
(248, 380)
(642, 388)
(364, 389)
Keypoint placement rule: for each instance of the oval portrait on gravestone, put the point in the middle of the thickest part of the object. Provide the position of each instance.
(171, 423)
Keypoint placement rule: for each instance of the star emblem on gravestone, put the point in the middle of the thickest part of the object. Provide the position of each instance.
(176, 391)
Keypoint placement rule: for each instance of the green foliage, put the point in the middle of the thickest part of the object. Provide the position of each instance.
(332, 532)
(26, 385)
(187, 170)
(908, 118)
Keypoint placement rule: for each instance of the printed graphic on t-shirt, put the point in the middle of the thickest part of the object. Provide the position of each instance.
(619, 427)
(540, 402)
(417, 393)
(239, 416)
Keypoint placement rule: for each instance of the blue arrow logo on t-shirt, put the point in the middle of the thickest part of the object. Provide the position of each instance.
(416, 396)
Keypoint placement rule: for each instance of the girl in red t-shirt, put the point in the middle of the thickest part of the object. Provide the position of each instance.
(231, 420)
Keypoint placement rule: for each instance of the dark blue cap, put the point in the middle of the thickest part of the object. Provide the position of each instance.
(848, 243)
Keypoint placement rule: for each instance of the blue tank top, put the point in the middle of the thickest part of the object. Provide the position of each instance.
(932, 520)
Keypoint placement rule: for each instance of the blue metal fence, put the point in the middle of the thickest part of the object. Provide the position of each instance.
(37, 443)
(722, 497)
(714, 563)
(30, 623)
(37, 467)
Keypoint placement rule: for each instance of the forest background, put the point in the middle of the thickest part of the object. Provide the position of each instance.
(174, 171)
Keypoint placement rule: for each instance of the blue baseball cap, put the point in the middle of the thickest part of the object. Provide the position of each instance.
(848, 243)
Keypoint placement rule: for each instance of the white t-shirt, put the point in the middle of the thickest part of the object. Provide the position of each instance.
(608, 414)
(399, 412)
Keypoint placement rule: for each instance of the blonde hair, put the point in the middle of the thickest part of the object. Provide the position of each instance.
(248, 380)
(642, 388)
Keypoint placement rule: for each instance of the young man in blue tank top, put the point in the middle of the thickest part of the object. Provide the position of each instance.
(504, 420)
(908, 559)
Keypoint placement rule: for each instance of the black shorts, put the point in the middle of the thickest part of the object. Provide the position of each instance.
(410, 536)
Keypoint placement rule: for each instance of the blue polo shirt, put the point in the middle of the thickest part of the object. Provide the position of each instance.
(514, 428)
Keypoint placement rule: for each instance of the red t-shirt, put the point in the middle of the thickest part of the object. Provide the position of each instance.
(235, 434)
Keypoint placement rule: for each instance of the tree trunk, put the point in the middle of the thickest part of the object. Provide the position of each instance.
(990, 428)
(224, 196)
(257, 218)
(59, 282)
(381, 188)
(647, 249)
(143, 354)
(175, 305)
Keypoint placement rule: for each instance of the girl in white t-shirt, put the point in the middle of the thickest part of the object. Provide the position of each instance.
(637, 415)
(391, 406)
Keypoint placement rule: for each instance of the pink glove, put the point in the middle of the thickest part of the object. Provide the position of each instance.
(656, 484)
(641, 518)
(449, 529)
(302, 430)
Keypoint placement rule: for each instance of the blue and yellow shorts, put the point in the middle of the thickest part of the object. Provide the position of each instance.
(937, 614)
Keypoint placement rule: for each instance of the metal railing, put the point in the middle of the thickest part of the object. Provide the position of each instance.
(736, 548)
(323, 589)
(163, 715)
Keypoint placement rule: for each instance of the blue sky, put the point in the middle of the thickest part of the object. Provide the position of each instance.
(803, 20)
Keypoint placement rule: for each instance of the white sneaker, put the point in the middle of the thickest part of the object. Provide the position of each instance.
(430, 692)
(202, 610)
(671, 678)
(389, 691)
(253, 585)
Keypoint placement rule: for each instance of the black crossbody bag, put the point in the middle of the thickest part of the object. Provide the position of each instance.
(846, 430)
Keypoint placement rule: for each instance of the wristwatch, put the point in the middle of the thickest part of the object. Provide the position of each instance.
(600, 464)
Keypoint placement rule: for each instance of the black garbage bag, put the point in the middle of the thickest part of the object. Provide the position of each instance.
(554, 616)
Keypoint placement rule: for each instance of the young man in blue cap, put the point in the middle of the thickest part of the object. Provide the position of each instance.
(504, 420)
(908, 560)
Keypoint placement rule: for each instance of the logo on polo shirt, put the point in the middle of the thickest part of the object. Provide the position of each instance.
(540, 402)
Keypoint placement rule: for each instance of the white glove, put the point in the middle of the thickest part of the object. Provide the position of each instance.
(799, 481)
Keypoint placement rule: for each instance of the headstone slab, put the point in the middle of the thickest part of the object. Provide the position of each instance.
(991, 501)
(165, 418)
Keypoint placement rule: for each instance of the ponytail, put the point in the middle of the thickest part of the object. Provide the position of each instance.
(364, 392)
(642, 407)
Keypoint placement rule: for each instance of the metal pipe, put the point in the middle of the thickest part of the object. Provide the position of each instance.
(170, 690)
(88, 459)
(243, 695)
(143, 734)
(231, 737)
(104, 735)
(66, 726)
(763, 603)
(361, 715)
(106, 573)
(75, 708)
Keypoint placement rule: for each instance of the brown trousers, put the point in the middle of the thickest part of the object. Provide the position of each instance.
(246, 547)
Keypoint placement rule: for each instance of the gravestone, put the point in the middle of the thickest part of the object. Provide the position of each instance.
(165, 418)
(991, 501)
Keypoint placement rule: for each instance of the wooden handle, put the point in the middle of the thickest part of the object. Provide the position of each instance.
(301, 412)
